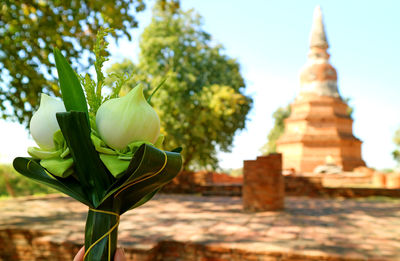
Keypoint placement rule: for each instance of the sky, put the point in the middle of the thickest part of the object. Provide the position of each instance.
(270, 40)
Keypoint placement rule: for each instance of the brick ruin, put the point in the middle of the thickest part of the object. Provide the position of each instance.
(263, 185)
(320, 125)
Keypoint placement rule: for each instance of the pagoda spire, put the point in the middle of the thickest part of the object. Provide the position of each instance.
(318, 35)
(318, 77)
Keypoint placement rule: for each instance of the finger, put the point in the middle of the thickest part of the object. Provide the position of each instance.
(119, 255)
(80, 254)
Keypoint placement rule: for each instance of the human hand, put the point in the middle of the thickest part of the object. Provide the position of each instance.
(119, 255)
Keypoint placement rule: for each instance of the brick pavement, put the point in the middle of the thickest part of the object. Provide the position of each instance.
(328, 229)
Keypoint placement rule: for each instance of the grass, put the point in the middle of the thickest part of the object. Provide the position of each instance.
(4, 197)
(14, 184)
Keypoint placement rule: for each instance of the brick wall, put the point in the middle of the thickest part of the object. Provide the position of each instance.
(193, 182)
(297, 186)
(263, 184)
(29, 245)
(303, 186)
(16, 244)
(33, 246)
(223, 178)
(305, 191)
(186, 182)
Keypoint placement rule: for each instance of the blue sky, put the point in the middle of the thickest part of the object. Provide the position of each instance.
(270, 41)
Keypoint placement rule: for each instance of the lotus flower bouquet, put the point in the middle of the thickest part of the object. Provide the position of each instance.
(102, 151)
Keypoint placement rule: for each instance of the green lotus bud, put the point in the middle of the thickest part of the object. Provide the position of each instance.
(124, 120)
(44, 123)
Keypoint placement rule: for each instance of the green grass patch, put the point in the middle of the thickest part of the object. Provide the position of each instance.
(14, 184)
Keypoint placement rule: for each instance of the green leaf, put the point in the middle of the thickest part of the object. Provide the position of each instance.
(147, 173)
(98, 224)
(100, 146)
(39, 153)
(145, 198)
(160, 140)
(132, 195)
(31, 169)
(91, 172)
(136, 169)
(58, 167)
(177, 150)
(60, 150)
(71, 89)
(114, 164)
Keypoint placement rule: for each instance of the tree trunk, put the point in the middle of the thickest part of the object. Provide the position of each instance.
(9, 188)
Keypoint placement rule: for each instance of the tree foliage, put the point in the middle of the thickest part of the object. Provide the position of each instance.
(350, 109)
(277, 130)
(396, 152)
(29, 30)
(14, 185)
(201, 105)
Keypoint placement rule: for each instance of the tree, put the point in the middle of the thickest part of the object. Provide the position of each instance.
(396, 140)
(201, 105)
(277, 130)
(350, 109)
(30, 29)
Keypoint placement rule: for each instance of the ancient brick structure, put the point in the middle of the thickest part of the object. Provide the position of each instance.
(393, 181)
(319, 126)
(263, 184)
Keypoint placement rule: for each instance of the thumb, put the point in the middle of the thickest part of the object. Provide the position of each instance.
(79, 255)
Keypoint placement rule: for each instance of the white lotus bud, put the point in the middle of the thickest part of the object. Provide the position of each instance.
(44, 123)
(124, 120)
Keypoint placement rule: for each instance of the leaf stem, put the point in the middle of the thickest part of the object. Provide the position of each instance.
(156, 89)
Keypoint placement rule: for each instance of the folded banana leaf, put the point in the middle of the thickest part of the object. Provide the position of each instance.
(93, 185)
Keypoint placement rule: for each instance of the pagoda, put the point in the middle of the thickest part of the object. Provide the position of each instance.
(319, 128)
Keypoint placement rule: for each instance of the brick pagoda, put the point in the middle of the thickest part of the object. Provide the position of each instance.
(319, 127)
